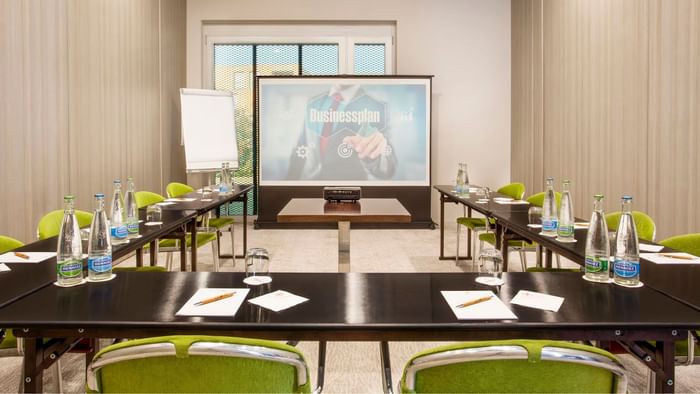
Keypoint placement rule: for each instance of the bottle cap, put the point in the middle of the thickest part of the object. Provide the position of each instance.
(117, 181)
(598, 196)
(626, 197)
(549, 178)
(99, 195)
(68, 198)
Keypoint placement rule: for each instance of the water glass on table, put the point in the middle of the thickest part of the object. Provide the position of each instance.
(534, 215)
(490, 264)
(257, 266)
(154, 215)
(206, 194)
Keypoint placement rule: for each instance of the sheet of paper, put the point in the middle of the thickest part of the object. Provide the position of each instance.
(502, 199)
(650, 248)
(180, 199)
(278, 300)
(533, 299)
(224, 307)
(581, 225)
(493, 309)
(163, 204)
(670, 258)
(4, 268)
(513, 202)
(34, 257)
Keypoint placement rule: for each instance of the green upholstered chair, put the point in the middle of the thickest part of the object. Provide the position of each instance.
(187, 364)
(146, 198)
(514, 366)
(522, 246)
(646, 229)
(9, 345)
(514, 190)
(688, 243)
(50, 224)
(176, 189)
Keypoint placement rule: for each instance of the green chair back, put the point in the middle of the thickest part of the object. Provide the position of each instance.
(688, 243)
(176, 189)
(514, 190)
(514, 366)
(7, 244)
(538, 199)
(646, 229)
(144, 199)
(187, 364)
(50, 225)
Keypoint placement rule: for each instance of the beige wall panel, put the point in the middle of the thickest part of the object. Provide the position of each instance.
(33, 121)
(114, 95)
(527, 100)
(173, 38)
(595, 99)
(674, 116)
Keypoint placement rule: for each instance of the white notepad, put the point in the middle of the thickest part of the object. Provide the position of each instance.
(493, 309)
(278, 300)
(4, 268)
(511, 202)
(650, 248)
(665, 258)
(180, 199)
(225, 307)
(533, 299)
(34, 257)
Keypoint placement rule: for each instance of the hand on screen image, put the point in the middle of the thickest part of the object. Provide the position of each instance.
(369, 147)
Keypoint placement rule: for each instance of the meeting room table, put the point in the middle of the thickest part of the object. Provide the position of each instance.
(350, 307)
(193, 202)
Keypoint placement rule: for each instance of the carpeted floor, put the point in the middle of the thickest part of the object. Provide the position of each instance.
(350, 367)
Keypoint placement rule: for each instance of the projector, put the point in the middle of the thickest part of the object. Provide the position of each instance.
(339, 194)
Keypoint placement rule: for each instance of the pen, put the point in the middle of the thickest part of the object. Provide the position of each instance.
(675, 256)
(472, 302)
(214, 299)
(22, 255)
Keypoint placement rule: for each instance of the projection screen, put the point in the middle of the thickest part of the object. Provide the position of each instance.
(344, 131)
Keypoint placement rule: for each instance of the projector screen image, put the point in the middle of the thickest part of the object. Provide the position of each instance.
(344, 131)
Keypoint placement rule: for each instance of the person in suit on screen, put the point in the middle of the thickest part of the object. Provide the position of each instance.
(344, 138)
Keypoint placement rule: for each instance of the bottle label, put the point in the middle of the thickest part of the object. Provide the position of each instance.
(566, 230)
(596, 264)
(119, 232)
(626, 268)
(100, 263)
(69, 268)
(549, 224)
(133, 227)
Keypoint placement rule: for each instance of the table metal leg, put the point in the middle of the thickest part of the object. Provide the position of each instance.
(245, 224)
(139, 257)
(386, 367)
(469, 237)
(193, 246)
(548, 258)
(442, 226)
(343, 246)
(538, 255)
(154, 253)
(665, 354)
(33, 373)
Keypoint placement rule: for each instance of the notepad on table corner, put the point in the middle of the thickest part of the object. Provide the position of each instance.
(533, 299)
(493, 309)
(670, 258)
(511, 202)
(224, 307)
(26, 257)
(278, 300)
(180, 199)
(4, 268)
(650, 248)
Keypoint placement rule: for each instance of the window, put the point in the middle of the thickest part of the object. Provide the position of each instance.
(236, 53)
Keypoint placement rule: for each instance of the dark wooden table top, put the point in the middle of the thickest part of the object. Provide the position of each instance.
(680, 281)
(25, 278)
(368, 210)
(343, 306)
(472, 200)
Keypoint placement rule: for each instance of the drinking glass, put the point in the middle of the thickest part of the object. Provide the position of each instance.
(206, 194)
(534, 215)
(154, 214)
(612, 237)
(490, 264)
(257, 266)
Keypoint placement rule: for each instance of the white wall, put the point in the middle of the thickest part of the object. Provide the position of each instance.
(464, 43)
